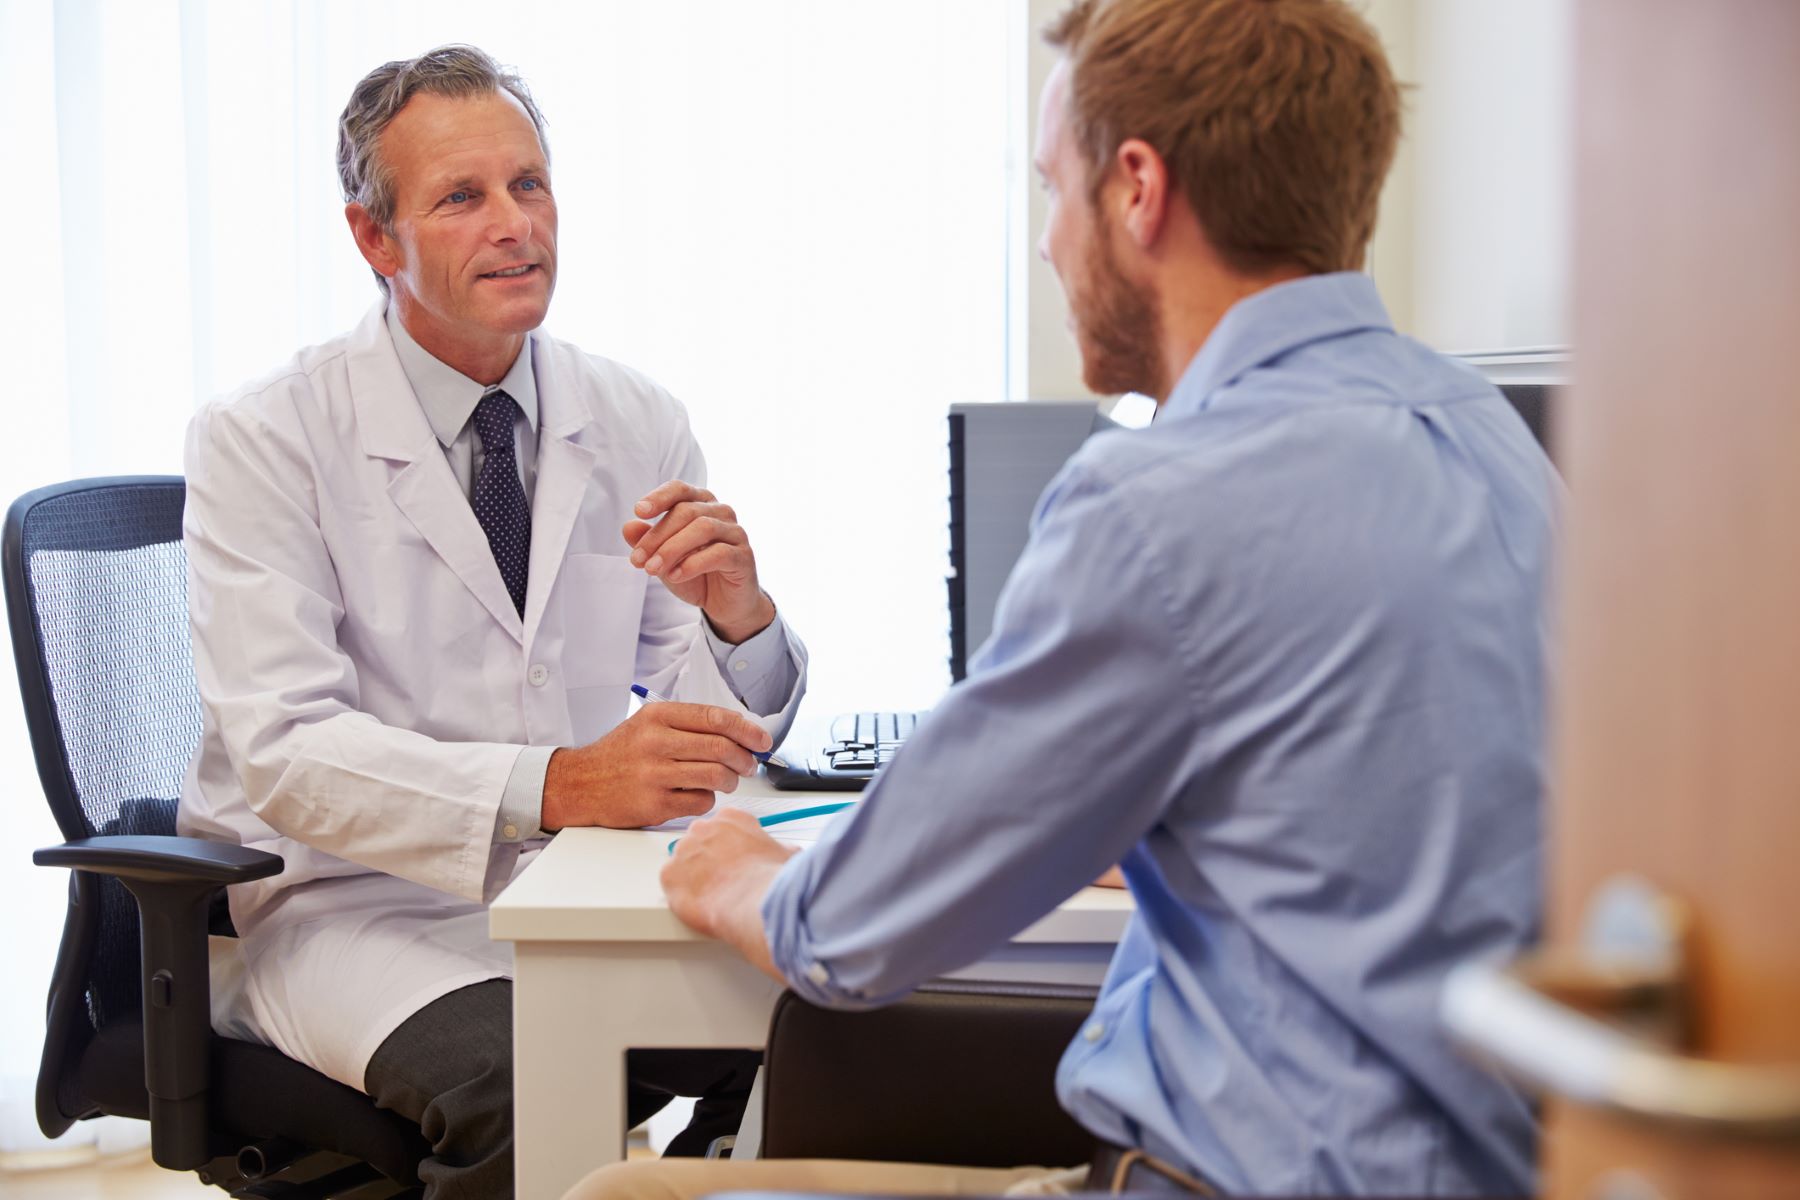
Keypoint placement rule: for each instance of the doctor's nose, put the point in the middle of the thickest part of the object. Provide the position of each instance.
(508, 221)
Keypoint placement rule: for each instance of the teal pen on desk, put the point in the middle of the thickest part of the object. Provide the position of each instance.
(798, 814)
(649, 697)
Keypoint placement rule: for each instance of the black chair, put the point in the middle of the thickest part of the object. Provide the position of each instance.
(96, 596)
(956, 1073)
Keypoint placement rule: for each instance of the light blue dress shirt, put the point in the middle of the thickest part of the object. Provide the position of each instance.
(1282, 654)
(759, 671)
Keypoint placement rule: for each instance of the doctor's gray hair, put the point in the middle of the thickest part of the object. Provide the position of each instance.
(452, 70)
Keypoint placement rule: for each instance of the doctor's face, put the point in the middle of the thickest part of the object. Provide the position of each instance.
(473, 239)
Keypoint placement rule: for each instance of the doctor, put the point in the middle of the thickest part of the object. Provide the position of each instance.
(428, 558)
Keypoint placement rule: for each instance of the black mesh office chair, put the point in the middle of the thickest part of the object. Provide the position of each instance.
(96, 596)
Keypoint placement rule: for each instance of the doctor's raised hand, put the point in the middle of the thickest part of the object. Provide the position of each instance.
(693, 543)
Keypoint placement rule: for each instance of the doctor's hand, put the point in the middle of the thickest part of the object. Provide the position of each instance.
(703, 555)
(665, 761)
(721, 869)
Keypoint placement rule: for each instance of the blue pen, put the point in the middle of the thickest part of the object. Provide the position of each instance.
(649, 697)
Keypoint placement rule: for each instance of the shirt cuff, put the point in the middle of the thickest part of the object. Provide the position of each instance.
(522, 804)
(790, 948)
(760, 671)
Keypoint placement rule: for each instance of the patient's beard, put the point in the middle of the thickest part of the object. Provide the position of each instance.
(1116, 326)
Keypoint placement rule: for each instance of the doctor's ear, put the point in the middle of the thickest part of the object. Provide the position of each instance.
(375, 243)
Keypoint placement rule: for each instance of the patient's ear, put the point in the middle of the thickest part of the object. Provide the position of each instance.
(375, 243)
(1142, 190)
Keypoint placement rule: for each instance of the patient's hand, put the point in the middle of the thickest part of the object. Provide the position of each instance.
(666, 760)
(1111, 877)
(716, 879)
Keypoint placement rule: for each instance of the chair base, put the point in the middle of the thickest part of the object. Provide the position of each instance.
(258, 1093)
(314, 1176)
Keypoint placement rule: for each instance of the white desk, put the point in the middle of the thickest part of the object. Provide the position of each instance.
(600, 966)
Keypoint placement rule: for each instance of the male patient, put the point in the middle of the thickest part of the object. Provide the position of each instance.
(1280, 654)
(428, 559)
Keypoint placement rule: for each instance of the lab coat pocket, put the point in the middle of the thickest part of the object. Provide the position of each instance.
(602, 606)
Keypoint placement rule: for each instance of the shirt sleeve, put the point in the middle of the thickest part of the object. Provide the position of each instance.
(1061, 750)
(522, 804)
(759, 670)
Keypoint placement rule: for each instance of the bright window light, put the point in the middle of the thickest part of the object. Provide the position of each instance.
(791, 213)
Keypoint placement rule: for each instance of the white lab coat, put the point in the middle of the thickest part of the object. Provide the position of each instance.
(367, 683)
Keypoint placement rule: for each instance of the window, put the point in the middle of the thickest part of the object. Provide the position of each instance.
(790, 213)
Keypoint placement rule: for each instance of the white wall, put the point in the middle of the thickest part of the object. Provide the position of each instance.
(1390, 259)
(1487, 217)
(1042, 361)
(1471, 250)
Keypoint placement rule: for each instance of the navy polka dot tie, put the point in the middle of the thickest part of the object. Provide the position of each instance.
(499, 498)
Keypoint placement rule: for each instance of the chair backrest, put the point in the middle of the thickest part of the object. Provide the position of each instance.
(96, 596)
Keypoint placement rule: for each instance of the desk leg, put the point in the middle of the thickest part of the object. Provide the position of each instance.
(577, 1007)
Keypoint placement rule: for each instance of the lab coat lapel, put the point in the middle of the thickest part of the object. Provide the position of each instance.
(565, 465)
(393, 427)
(426, 492)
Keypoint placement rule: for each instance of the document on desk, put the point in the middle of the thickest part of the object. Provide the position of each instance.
(788, 818)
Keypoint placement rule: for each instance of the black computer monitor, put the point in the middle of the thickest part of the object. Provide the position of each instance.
(1534, 402)
(1002, 456)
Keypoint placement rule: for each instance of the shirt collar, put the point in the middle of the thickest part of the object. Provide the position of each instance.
(447, 395)
(1262, 327)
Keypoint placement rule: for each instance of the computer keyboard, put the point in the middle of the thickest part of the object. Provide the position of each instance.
(861, 744)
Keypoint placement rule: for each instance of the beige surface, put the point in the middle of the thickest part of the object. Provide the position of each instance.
(136, 1177)
(1680, 676)
(690, 1179)
(133, 1176)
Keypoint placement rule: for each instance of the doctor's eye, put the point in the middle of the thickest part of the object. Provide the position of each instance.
(457, 197)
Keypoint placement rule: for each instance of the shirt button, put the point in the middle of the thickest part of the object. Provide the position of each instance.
(818, 974)
(1094, 1032)
(510, 832)
(739, 665)
(539, 675)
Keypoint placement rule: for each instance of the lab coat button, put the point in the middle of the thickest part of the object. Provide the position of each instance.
(1094, 1032)
(818, 974)
(539, 675)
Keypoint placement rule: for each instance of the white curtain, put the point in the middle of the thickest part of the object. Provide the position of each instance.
(791, 213)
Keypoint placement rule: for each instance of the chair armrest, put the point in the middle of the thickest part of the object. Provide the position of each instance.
(173, 880)
(175, 860)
